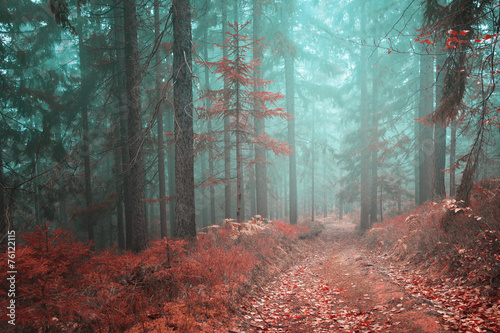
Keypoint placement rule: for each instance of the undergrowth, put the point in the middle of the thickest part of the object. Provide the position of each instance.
(468, 249)
(65, 287)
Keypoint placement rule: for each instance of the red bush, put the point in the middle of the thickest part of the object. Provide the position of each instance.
(66, 287)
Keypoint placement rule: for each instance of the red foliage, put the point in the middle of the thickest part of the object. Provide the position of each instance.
(66, 287)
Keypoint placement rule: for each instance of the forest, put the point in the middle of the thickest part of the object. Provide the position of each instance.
(175, 165)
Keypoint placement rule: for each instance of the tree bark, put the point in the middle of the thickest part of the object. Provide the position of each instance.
(119, 138)
(159, 118)
(183, 112)
(439, 160)
(374, 146)
(312, 165)
(84, 101)
(209, 128)
(453, 145)
(425, 138)
(239, 167)
(227, 137)
(135, 134)
(260, 125)
(364, 179)
(290, 107)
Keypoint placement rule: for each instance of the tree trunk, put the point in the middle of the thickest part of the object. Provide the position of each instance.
(185, 218)
(212, 188)
(453, 144)
(364, 179)
(325, 150)
(227, 119)
(260, 126)
(425, 140)
(312, 166)
(118, 91)
(290, 108)
(341, 208)
(159, 119)
(126, 230)
(239, 170)
(439, 160)
(171, 174)
(374, 145)
(209, 128)
(135, 134)
(84, 100)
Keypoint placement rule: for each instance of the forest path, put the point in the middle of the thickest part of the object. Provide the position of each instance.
(336, 288)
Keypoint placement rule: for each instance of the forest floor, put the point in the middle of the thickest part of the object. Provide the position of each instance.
(340, 286)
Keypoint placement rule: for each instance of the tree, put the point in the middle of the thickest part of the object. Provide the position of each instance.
(124, 223)
(456, 22)
(260, 125)
(85, 94)
(227, 139)
(242, 103)
(288, 52)
(183, 113)
(135, 168)
(425, 141)
(363, 133)
(159, 120)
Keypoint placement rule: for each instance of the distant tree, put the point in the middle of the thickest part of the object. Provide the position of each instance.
(425, 135)
(288, 50)
(85, 95)
(363, 133)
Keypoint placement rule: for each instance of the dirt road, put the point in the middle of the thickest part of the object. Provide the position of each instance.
(337, 288)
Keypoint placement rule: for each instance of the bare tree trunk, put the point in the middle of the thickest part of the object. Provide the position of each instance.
(119, 138)
(341, 208)
(171, 174)
(159, 119)
(365, 181)
(453, 145)
(227, 137)
(260, 154)
(425, 138)
(135, 134)
(126, 229)
(84, 100)
(290, 108)
(239, 170)
(439, 159)
(325, 150)
(209, 128)
(185, 218)
(312, 165)
(374, 145)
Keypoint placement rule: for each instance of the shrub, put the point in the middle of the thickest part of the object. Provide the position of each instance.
(179, 287)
